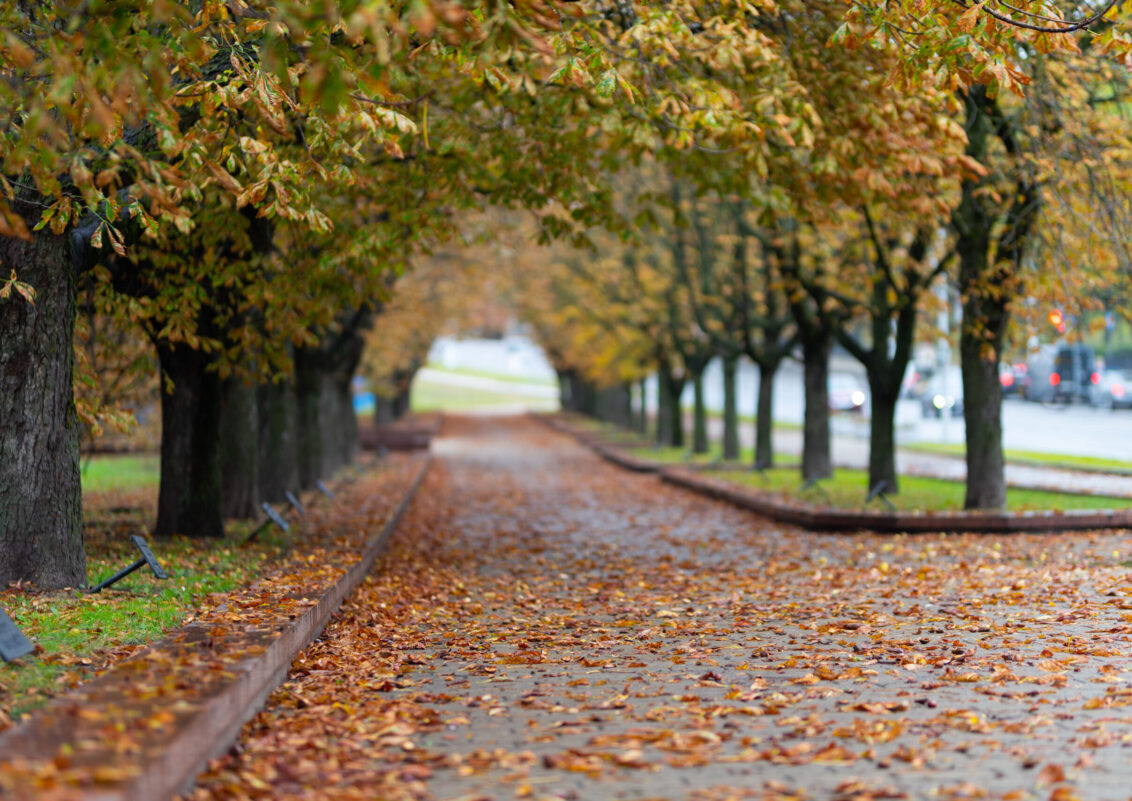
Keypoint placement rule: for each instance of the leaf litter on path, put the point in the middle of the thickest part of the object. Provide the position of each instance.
(546, 626)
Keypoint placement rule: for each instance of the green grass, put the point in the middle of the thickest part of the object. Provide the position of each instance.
(505, 377)
(120, 471)
(429, 396)
(1028, 457)
(848, 489)
(670, 455)
(79, 632)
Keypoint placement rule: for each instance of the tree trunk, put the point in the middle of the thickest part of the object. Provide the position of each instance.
(980, 341)
(817, 462)
(41, 528)
(278, 453)
(566, 393)
(882, 438)
(239, 449)
(643, 420)
(730, 409)
(670, 417)
(764, 417)
(383, 410)
(347, 421)
(699, 419)
(189, 500)
(402, 403)
(308, 395)
(330, 419)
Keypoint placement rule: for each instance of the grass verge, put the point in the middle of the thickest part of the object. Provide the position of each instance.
(506, 377)
(106, 472)
(849, 488)
(78, 634)
(429, 396)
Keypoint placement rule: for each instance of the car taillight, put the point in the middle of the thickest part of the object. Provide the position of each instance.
(1054, 379)
(1095, 378)
(1007, 379)
(1118, 390)
(1020, 368)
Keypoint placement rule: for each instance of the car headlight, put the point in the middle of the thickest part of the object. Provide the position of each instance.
(939, 401)
(858, 398)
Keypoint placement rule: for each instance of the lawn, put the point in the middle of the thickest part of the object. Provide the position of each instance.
(506, 377)
(105, 472)
(849, 488)
(78, 634)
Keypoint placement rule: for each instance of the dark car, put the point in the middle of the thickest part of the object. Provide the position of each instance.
(1063, 373)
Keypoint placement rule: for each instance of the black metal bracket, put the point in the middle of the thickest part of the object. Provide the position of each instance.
(880, 491)
(272, 517)
(295, 503)
(147, 558)
(812, 483)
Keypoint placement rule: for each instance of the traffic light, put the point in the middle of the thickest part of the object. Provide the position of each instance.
(1055, 318)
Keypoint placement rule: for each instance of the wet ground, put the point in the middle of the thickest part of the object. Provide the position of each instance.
(548, 626)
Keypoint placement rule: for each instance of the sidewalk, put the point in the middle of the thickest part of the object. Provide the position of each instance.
(549, 627)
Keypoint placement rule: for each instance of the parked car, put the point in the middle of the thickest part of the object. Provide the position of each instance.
(1015, 379)
(848, 392)
(945, 391)
(1063, 373)
(1113, 390)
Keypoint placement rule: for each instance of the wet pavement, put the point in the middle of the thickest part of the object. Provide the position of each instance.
(548, 626)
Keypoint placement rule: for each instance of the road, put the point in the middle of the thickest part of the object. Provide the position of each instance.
(549, 627)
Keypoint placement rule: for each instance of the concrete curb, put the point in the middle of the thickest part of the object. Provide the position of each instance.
(848, 520)
(201, 729)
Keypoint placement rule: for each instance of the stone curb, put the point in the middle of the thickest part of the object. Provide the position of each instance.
(848, 520)
(215, 720)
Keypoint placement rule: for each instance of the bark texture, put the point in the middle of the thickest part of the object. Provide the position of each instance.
(278, 447)
(730, 409)
(991, 241)
(41, 537)
(764, 417)
(189, 501)
(239, 449)
(699, 418)
(817, 462)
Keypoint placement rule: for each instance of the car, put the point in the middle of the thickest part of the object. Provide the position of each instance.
(945, 391)
(848, 392)
(1114, 390)
(1015, 379)
(1062, 374)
